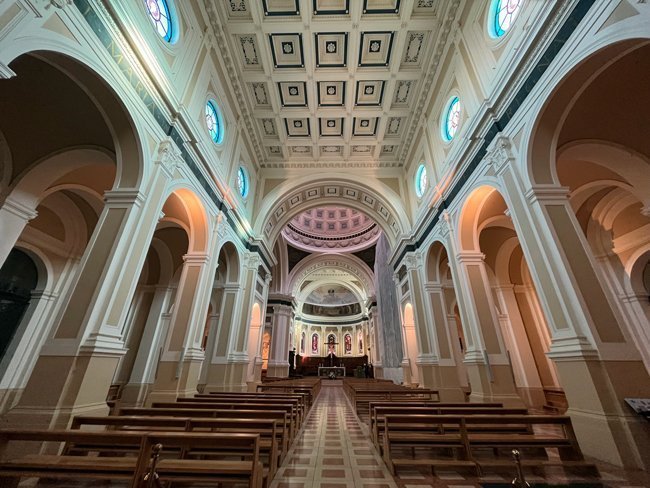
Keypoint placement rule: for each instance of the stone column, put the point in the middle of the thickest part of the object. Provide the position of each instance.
(597, 365)
(490, 374)
(14, 216)
(17, 364)
(444, 374)
(76, 365)
(525, 372)
(426, 360)
(228, 365)
(376, 341)
(138, 387)
(180, 363)
(279, 353)
(255, 342)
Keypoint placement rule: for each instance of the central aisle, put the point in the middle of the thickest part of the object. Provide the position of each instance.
(332, 451)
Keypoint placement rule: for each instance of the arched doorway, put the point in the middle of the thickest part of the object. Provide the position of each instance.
(18, 279)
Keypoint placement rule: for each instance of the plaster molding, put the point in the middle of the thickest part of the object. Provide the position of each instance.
(6, 72)
(19, 210)
(122, 197)
(547, 194)
(499, 154)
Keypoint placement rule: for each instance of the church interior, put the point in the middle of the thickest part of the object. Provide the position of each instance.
(325, 243)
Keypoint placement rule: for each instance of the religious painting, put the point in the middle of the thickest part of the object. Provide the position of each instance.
(302, 342)
(314, 344)
(347, 339)
(331, 344)
(360, 342)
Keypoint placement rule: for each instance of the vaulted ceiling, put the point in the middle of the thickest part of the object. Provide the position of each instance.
(327, 83)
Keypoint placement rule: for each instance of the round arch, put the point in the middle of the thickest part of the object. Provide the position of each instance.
(347, 263)
(295, 196)
(99, 85)
(541, 138)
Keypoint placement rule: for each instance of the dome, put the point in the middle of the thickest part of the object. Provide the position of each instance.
(332, 228)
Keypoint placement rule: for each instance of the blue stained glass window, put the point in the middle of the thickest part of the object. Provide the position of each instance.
(502, 16)
(242, 182)
(421, 180)
(213, 122)
(160, 14)
(451, 120)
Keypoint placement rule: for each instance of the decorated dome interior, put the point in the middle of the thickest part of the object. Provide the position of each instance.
(332, 228)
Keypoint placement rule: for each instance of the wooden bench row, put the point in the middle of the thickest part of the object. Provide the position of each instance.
(273, 418)
(379, 410)
(225, 458)
(479, 441)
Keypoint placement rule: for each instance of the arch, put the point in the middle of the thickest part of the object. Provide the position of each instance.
(358, 293)
(347, 263)
(298, 195)
(315, 344)
(256, 315)
(18, 279)
(186, 209)
(541, 140)
(229, 256)
(408, 316)
(39, 179)
(631, 166)
(97, 83)
(475, 211)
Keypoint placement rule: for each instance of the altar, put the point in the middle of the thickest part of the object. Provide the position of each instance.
(326, 370)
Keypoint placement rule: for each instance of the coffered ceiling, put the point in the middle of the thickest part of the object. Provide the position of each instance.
(331, 82)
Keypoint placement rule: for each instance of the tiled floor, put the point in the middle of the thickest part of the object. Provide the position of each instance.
(334, 451)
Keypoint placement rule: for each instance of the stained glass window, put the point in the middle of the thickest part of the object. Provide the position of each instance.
(451, 120)
(213, 121)
(502, 16)
(160, 14)
(242, 182)
(421, 180)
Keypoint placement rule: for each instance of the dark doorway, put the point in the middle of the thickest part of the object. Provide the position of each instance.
(18, 278)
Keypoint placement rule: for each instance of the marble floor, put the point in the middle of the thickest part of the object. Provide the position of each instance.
(334, 451)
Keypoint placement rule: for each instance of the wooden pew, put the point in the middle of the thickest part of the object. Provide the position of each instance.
(361, 398)
(302, 398)
(290, 408)
(473, 447)
(133, 469)
(378, 413)
(281, 416)
(241, 401)
(266, 428)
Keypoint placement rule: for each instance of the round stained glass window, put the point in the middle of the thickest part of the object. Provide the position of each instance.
(421, 180)
(242, 182)
(160, 14)
(502, 16)
(213, 122)
(451, 120)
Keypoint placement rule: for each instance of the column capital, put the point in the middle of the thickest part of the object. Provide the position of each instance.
(645, 210)
(499, 153)
(19, 209)
(196, 258)
(466, 257)
(413, 261)
(282, 310)
(6, 72)
(169, 156)
(123, 197)
(547, 194)
(252, 261)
